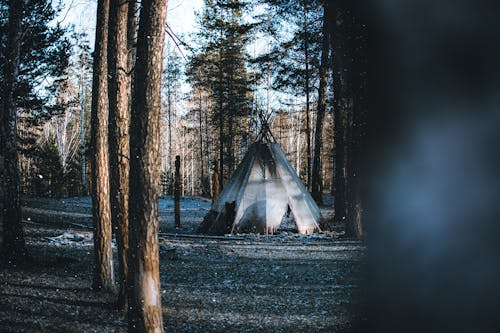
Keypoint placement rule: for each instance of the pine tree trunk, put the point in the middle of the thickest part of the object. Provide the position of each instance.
(358, 50)
(119, 150)
(349, 43)
(221, 119)
(203, 182)
(307, 88)
(103, 270)
(145, 311)
(177, 191)
(207, 156)
(320, 117)
(14, 247)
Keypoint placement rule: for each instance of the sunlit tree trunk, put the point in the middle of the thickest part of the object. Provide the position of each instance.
(119, 150)
(103, 270)
(145, 312)
(14, 248)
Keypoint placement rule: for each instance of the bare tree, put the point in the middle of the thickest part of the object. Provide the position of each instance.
(145, 312)
(14, 247)
(103, 270)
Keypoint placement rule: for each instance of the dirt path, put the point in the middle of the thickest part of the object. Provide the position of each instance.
(280, 283)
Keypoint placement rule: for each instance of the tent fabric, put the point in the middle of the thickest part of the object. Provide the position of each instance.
(261, 191)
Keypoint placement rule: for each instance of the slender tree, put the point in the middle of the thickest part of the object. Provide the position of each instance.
(145, 312)
(119, 152)
(220, 69)
(14, 248)
(317, 187)
(294, 57)
(171, 75)
(342, 103)
(103, 270)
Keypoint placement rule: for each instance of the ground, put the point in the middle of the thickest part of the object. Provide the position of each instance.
(281, 283)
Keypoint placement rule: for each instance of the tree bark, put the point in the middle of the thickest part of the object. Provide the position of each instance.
(307, 83)
(320, 116)
(103, 270)
(349, 43)
(202, 169)
(145, 312)
(119, 150)
(14, 247)
(177, 191)
(358, 121)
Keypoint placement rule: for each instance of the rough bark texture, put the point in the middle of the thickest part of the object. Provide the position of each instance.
(119, 150)
(14, 247)
(103, 270)
(145, 312)
(317, 187)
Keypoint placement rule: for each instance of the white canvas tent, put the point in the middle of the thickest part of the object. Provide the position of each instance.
(262, 191)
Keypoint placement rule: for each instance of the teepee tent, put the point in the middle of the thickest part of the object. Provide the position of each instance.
(262, 192)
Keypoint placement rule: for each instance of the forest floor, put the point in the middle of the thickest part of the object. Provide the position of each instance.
(241, 283)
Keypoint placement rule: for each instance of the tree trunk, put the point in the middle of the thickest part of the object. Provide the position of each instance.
(103, 271)
(202, 158)
(320, 116)
(221, 118)
(14, 247)
(119, 150)
(308, 118)
(83, 102)
(207, 155)
(145, 311)
(358, 48)
(349, 42)
(177, 191)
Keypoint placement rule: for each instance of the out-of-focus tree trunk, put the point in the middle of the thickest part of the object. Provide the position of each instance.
(103, 270)
(145, 311)
(14, 247)
(119, 150)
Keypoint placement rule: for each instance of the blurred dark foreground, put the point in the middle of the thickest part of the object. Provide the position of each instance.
(433, 188)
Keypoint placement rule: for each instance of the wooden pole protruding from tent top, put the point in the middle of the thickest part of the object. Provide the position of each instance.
(177, 191)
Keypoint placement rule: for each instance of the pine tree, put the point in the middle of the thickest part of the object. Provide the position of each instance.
(103, 270)
(317, 183)
(14, 247)
(294, 55)
(171, 81)
(145, 311)
(219, 67)
(119, 121)
(349, 40)
(44, 53)
(43, 57)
